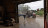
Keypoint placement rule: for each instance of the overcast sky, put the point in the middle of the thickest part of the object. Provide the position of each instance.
(35, 5)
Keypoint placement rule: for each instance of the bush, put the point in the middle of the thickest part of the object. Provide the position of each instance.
(39, 13)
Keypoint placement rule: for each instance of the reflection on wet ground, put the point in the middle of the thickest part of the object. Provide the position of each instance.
(37, 22)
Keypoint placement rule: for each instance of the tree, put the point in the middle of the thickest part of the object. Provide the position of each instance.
(20, 7)
(42, 9)
(25, 8)
(28, 7)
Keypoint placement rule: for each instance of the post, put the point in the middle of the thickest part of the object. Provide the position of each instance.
(17, 18)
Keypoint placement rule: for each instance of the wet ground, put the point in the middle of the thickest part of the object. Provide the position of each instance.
(37, 22)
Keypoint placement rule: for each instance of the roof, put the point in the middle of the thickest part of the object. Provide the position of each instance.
(18, 1)
(25, 1)
(6, 2)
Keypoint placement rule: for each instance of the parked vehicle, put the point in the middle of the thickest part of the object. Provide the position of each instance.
(21, 15)
(28, 14)
(34, 15)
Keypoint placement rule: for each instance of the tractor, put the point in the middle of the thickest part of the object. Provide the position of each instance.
(29, 14)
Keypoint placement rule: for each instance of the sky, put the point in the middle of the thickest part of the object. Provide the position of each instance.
(35, 5)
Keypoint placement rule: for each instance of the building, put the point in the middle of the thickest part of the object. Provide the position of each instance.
(9, 8)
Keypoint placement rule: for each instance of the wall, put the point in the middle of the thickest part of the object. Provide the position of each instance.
(1, 11)
(10, 8)
(47, 11)
(47, 17)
